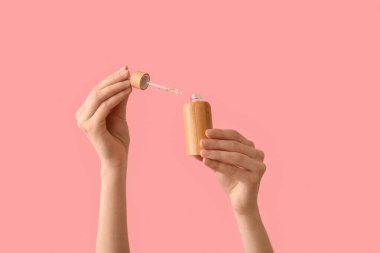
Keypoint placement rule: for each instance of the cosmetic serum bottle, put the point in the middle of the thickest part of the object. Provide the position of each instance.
(197, 119)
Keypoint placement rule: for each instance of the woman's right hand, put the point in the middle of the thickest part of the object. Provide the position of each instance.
(238, 166)
(102, 117)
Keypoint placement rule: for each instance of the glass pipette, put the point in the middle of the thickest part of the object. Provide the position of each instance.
(173, 90)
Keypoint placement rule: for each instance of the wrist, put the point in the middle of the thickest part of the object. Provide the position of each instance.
(245, 207)
(108, 171)
(249, 214)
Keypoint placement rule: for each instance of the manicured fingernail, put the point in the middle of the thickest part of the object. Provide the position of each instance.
(124, 67)
(204, 152)
(123, 72)
(207, 132)
(202, 142)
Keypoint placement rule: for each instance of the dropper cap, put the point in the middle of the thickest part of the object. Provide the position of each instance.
(140, 80)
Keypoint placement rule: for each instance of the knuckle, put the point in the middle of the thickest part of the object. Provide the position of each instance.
(212, 164)
(263, 168)
(259, 154)
(105, 104)
(215, 144)
(82, 126)
(90, 127)
(77, 115)
(79, 124)
(117, 75)
(262, 154)
(235, 146)
(235, 134)
(206, 143)
(239, 158)
(233, 131)
(97, 94)
(214, 154)
(96, 88)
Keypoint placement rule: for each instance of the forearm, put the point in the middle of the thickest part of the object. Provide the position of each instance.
(253, 234)
(112, 235)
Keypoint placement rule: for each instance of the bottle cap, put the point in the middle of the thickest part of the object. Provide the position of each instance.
(140, 80)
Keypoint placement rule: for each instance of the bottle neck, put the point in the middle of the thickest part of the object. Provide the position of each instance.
(196, 97)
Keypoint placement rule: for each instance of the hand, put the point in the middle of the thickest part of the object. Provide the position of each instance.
(237, 164)
(102, 117)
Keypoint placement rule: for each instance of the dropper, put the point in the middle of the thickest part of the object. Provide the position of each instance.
(141, 80)
(173, 90)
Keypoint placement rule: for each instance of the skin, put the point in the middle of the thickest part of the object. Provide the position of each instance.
(237, 164)
(239, 167)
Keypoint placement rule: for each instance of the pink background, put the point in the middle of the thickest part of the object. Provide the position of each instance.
(299, 78)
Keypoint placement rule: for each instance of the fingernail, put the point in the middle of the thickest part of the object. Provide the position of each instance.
(123, 72)
(207, 132)
(124, 67)
(202, 142)
(127, 83)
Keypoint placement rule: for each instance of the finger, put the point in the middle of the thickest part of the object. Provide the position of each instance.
(232, 158)
(121, 75)
(227, 169)
(198, 157)
(82, 107)
(79, 112)
(99, 96)
(235, 146)
(228, 134)
(120, 110)
(106, 106)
